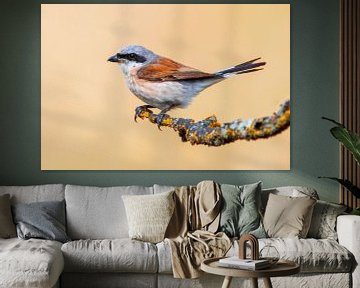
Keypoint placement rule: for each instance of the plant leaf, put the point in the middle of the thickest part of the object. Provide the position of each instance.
(349, 139)
(333, 121)
(347, 184)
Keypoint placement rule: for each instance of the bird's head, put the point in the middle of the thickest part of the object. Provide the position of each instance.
(133, 56)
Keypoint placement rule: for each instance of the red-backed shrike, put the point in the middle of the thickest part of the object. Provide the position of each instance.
(165, 84)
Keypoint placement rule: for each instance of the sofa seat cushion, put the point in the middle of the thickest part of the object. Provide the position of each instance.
(115, 255)
(30, 263)
(313, 255)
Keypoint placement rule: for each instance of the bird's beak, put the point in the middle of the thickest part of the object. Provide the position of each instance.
(114, 58)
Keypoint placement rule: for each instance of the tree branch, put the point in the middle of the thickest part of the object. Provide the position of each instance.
(210, 132)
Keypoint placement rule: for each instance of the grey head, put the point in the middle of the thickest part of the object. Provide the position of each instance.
(134, 54)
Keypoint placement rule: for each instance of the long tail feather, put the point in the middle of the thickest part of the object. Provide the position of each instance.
(245, 67)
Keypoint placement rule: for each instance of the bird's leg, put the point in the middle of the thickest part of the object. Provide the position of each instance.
(141, 109)
(160, 117)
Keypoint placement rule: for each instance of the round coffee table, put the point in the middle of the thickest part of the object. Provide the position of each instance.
(281, 268)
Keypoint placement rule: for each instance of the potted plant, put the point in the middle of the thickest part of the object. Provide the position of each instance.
(351, 141)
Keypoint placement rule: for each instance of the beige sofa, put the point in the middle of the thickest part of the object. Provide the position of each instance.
(101, 255)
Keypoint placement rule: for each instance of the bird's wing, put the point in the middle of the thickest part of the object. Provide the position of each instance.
(165, 69)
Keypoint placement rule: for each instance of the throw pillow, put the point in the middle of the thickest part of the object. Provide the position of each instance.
(7, 227)
(323, 222)
(43, 220)
(240, 213)
(287, 217)
(149, 215)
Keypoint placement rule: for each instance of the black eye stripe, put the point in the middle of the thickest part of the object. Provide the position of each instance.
(132, 57)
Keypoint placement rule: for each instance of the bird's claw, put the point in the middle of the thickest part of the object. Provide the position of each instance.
(139, 110)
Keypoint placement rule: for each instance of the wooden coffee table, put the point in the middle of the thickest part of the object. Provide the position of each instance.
(281, 268)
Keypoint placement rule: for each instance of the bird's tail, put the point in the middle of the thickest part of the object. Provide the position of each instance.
(245, 67)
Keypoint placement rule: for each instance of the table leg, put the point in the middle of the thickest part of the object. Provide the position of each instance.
(267, 283)
(254, 282)
(227, 282)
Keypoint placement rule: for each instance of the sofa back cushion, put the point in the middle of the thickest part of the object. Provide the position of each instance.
(98, 212)
(7, 226)
(37, 193)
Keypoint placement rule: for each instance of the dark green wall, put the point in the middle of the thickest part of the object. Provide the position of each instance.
(314, 93)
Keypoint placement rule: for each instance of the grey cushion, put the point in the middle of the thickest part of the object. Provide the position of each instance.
(323, 222)
(36, 193)
(240, 210)
(30, 263)
(7, 227)
(117, 255)
(98, 213)
(44, 220)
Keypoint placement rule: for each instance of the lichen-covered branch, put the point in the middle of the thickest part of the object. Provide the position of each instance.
(213, 133)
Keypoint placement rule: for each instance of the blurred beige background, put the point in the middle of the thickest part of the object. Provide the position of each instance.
(87, 112)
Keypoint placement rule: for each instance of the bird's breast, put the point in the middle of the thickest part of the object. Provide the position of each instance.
(160, 94)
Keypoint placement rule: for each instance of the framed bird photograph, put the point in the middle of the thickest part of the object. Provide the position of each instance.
(165, 86)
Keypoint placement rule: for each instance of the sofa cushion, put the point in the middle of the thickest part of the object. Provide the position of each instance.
(291, 191)
(37, 193)
(163, 188)
(323, 222)
(43, 220)
(30, 263)
(240, 210)
(313, 255)
(98, 213)
(287, 216)
(149, 215)
(117, 255)
(7, 226)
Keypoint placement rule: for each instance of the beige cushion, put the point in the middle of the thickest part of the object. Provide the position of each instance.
(149, 215)
(293, 191)
(7, 226)
(287, 217)
(30, 263)
(98, 212)
(110, 255)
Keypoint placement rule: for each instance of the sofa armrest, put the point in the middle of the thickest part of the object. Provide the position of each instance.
(348, 230)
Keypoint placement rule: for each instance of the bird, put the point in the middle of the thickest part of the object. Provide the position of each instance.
(165, 84)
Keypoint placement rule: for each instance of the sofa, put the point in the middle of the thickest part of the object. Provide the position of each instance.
(100, 253)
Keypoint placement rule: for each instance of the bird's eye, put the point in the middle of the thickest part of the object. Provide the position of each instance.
(132, 56)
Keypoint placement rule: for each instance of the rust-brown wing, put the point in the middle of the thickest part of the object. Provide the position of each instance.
(165, 69)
